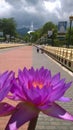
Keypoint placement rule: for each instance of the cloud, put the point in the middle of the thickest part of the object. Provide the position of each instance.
(67, 5)
(36, 11)
(4, 9)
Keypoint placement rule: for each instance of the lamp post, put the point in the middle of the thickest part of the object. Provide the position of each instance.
(69, 42)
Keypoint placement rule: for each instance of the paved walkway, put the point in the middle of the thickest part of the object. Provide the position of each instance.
(27, 56)
(45, 122)
(12, 59)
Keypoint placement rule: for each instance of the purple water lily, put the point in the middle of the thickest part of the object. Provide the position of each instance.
(6, 79)
(38, 91)
(13, 126)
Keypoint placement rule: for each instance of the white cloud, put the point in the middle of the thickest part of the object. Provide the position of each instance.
(5, 8)
(52, 6)
(30, 10)
(38, 11)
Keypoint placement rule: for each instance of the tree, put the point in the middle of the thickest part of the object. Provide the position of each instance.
(34, 36)
(69, 35)
(40, 36)
(8, 26)
(1, 25)
(26, 38)
(49, 26)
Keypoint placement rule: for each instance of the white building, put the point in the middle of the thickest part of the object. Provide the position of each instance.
(31, 28)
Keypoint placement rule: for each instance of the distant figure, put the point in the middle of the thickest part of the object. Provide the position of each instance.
(42, 51)
(37, 49)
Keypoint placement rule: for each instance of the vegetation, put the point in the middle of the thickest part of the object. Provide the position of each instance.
(69, 36)
(40, 36)
(8, 27)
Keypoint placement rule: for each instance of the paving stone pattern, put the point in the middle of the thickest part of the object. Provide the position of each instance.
(28, 56)
(12, 59)
(46, 122)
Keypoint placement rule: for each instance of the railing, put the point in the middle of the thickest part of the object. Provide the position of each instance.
(62, 55)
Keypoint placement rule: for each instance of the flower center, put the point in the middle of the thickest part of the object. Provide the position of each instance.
(39, 84)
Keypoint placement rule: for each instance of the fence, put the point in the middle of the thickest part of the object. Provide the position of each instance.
(62, 55)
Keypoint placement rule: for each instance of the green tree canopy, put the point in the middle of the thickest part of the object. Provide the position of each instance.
(69, 36)
(8, 26)
(48, 26)
(42, 33)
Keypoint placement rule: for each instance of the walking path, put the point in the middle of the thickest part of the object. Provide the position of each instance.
(28, 56)
(45, 122)
(12, 59)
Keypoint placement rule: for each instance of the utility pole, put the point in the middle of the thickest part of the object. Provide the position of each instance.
(69, 41)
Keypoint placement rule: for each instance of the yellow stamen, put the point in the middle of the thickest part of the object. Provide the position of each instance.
(35, 84)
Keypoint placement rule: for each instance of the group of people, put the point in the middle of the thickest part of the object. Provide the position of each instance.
(38, 49)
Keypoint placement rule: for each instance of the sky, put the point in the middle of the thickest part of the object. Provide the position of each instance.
(37, 12)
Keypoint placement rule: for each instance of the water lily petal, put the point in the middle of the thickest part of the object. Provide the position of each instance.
(6, 109)
(58, 112)
(64, 99)
(55, 79)
(31, 71)
(5, 83)
(44, 106)
(57, 93)
(60, 83)
(23, 113)
(17, 91)
(44, 74)
(68, 85)
(21, 78)
(12, 126)
(3, 78)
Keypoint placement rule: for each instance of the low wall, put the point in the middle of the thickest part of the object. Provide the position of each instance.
(8, 45)
(62, 55)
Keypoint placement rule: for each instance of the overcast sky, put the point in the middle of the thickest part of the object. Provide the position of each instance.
(37, 11)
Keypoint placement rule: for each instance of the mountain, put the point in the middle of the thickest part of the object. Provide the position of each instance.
(22, 31)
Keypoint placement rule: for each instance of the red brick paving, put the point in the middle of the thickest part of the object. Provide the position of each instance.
(17, 58)
(12, 60)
